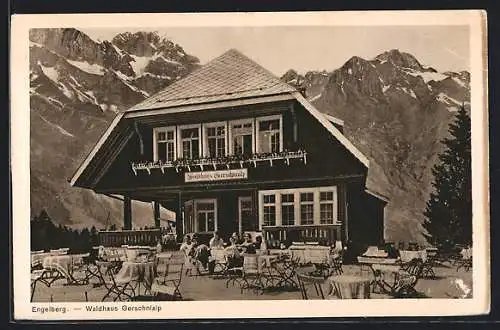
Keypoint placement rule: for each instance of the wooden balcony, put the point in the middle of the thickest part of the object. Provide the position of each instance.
(325, 234)
(129, 237)
(228, 162)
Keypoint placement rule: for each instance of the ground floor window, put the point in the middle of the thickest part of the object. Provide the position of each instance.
(301, 206)
(200, 215)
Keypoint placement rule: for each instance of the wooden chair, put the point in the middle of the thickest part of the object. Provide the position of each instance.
(116, 289)
(220, 262)
(251, 275)
(306, 280)
(168, 279)
(407, 280)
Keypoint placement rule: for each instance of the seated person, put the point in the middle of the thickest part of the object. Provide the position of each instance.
(258, 243)
(234, 258)
(186, 245)
(236, 238)
(216, 242)
(200, 252)
(248, 246)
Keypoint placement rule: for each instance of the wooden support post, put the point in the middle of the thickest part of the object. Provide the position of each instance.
(179, 228)
(127, 213)
(156, 206)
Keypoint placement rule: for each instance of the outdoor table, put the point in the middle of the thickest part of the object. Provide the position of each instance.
(407, 256)
(61, 267)
(139, 272)
(37, 258)
(380, 267)
(303, 255)
(349, 287)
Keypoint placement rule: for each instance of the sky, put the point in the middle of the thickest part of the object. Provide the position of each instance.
(303, 48)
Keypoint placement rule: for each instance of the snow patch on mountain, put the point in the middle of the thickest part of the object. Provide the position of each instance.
(59, 128)
(459, 82)
(126, 81)
(50, 72)
(87, 67)
(427, 76)
(451, 103)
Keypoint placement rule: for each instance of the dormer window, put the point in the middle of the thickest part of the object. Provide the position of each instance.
(270, 134)
(215, 140)
(242, 137)
(190, 141)
(164, 144)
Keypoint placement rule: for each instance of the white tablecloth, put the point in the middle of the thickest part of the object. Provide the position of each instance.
(37, 258)
(136, 271)
(407, 256)
(349, 287)
(310, 254)
(64, 263)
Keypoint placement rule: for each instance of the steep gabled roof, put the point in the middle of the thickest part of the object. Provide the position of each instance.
(229, 80)
(229, 76)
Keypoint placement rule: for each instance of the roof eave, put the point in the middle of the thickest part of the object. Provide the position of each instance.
(332, 129)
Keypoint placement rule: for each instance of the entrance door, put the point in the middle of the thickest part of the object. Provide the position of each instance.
(206, 210)
(246, 221)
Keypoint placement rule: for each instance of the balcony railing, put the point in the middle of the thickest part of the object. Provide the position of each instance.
(227, 162)
(129, 237)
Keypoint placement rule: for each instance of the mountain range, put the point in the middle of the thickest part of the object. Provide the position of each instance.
(395, 110)
(77, 86)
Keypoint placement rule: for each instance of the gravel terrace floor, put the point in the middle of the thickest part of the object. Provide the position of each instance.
(207, 288)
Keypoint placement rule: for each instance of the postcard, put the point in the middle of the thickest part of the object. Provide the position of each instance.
(303, 164)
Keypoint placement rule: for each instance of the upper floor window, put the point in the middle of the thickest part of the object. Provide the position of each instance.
(164, 144)
(215, 140)
(270, 135)
(190, 142)
(242, 137)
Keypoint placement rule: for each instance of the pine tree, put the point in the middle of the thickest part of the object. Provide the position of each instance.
(449, 209)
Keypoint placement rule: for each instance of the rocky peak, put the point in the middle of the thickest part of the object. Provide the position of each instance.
(68, 42)
(400, 59)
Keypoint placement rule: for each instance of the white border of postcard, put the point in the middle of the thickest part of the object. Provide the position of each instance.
(20, 153)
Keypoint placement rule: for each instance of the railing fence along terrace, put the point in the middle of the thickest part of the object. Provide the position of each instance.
(215, 163)
(328, 234)
(129, 237)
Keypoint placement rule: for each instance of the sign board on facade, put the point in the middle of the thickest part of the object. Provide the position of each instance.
(216, 175)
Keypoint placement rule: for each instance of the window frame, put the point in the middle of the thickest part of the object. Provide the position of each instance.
(258, 120)
(204, 128)
(180, 150)
(297, 205)
(305, 203)
(261, 218)
(293, 204)
(328, 202)
(164, 129)
(201, 201)
(231, 135)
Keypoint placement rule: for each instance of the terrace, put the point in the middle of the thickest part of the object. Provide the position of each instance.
(449, 279)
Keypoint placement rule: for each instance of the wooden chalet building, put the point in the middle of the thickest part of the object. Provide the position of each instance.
(232, 148)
